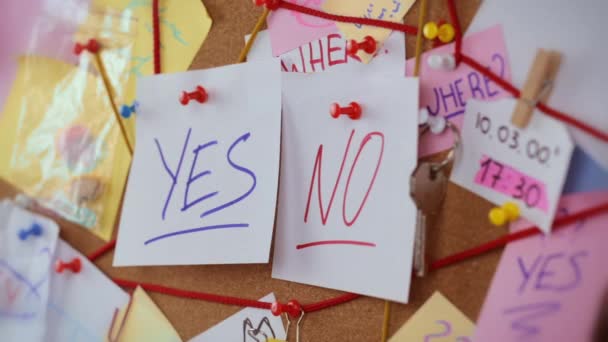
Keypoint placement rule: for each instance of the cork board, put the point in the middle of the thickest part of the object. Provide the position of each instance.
(461, 225)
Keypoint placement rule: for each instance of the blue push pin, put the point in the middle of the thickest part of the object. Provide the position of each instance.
(35, 229)
(126, 111)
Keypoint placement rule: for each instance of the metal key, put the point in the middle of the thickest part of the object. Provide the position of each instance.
(428, 185)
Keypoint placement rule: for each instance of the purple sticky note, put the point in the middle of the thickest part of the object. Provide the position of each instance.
(445, 93)
(549, 288)
(288, 30)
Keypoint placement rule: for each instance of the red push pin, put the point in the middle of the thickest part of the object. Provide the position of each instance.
(75, 265)
(199, 95)
(368, 45)
(92, 46)
(353, 110)
(270, 4)
(292, 308)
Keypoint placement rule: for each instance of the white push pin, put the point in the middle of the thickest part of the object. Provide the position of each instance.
(445, 62)
(423, 116)
(436, 124)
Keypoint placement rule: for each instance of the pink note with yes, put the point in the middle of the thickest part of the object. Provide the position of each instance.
(550, 288)
(288, 30)
(445, 92)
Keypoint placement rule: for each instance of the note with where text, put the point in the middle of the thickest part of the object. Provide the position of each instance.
(203, 184)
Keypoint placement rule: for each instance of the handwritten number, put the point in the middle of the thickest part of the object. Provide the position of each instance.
(520, 188)
(497, 176)
(447, 330)
(514, 140)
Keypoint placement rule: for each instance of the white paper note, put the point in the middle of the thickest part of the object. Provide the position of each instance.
(573, 28)
(248, 325)
(203, 185)
(346, 219)
(329, 53)
(501, 162)
(24, 265)
(81, 305)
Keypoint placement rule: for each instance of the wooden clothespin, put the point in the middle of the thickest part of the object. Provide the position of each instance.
(538, 85)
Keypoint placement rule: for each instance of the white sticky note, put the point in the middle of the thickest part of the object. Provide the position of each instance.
(329, 53)
(248, 325)
(81, 305)
(203, 185)
(345, 218)
(501, 162)
(24, 265)
(572, 28)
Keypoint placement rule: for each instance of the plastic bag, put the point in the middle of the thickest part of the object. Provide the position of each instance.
(60, 140)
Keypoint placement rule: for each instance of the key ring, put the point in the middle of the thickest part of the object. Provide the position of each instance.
(436, 167)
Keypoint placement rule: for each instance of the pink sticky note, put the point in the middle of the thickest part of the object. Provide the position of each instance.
(550, 288)
(445, 93)
(498, 176)
(288, 30)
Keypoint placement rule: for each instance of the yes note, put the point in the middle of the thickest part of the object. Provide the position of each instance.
(549, 287)
(329, 53)
(437, 320)
(24, 265)
(248, 325)
(288, 30)
(203, 184)
(501, 162)
(345, 219)
(446, 93)
(387, 10)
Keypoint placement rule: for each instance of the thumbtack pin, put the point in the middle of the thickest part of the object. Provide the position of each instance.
(35, 230)
(75, 266)
(127, 110)
(437, 124)
(368, 45)
(92, 46)
(506, 213)
(353, 110)
(199, 95)
(270, 4)
(445, 62)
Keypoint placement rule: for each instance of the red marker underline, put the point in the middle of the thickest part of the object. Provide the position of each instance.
(335, 242)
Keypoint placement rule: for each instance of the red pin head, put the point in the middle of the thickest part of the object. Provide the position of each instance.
(270, 4)
(92, 46)
(199, 95)
(353, 110)
(368, 45)
(75, 265)
(292, 308)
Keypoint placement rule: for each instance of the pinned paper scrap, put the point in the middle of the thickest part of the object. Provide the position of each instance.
(387, 10)
(502, 163)
(142, 320)
(550, 281)
(81, 305)
(288, 30)
(329, 53)
(205, 175)
(585, 174)
(445, 93)
(24, 266)
(58, 126)
(248, 325)
(341, 176)
(436, 320)
(579, 89)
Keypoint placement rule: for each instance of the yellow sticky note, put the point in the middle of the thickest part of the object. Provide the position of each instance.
(142, 320)
(388, 10)
(58, 128)
(437, 320)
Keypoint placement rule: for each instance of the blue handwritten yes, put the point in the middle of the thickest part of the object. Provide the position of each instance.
(191, 202)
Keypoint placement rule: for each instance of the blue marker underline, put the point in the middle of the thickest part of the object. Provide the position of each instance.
(195, 230)
(460, 112)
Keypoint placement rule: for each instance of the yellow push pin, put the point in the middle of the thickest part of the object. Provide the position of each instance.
(446, 33)
(430, 30)
(500, 215)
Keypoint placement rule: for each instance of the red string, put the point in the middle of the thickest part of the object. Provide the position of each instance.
(102, 250)
(156, 31)
(351, 20)
(458, 55)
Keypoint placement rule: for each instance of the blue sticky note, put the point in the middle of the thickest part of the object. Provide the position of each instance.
(585, 174)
